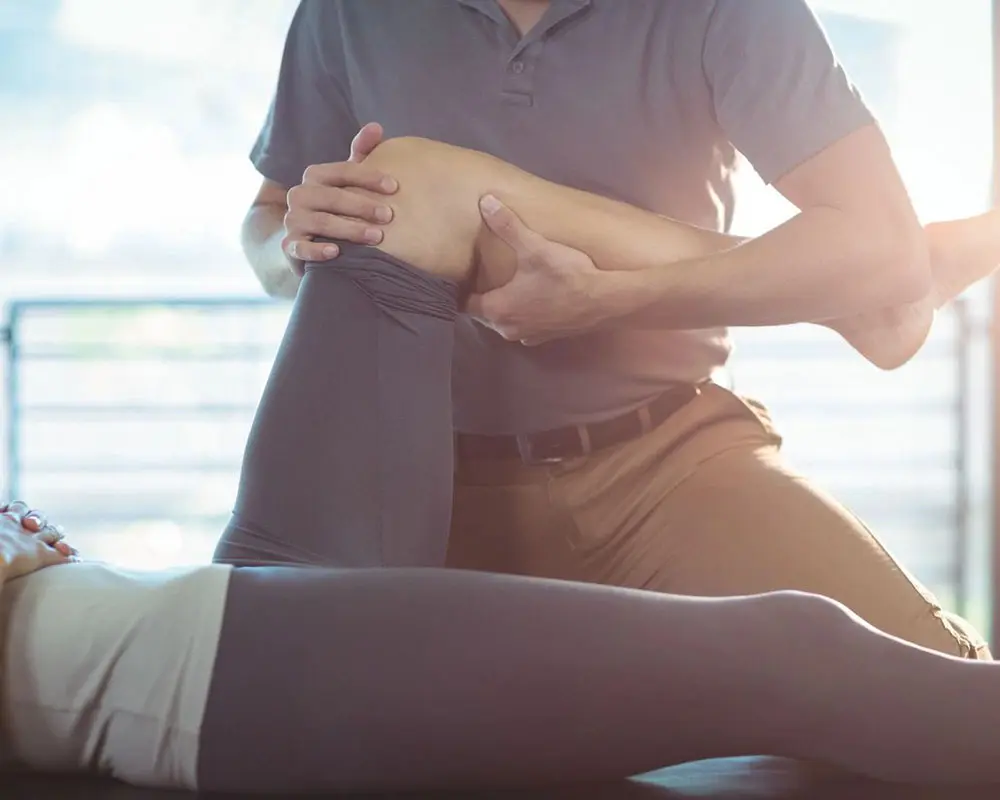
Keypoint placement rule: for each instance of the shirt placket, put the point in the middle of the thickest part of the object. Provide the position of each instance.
(518, 84)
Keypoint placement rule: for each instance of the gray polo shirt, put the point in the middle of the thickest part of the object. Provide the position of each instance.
(645, 101)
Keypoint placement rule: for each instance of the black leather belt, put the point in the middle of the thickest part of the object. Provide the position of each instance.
(560, 444)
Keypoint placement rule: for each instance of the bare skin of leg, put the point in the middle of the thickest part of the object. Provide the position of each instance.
(437, 227)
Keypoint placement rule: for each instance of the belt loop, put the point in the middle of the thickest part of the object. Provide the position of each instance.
(524, 449)
(584, 433)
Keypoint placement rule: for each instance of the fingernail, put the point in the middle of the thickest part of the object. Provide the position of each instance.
(383, 214)
(373, 235)
(389, 184)
(490, 204)
(63, 548)
(330, 251)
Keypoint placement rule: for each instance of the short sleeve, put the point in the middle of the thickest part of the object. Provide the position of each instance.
(310, 120)
(779, 92)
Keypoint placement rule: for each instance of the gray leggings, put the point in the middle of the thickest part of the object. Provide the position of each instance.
(349, 661)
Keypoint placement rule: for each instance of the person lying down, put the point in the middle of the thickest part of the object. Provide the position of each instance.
(326, 650)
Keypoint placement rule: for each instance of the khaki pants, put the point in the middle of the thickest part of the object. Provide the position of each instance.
(702, 505)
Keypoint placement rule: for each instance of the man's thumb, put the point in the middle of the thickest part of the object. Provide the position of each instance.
(366, 140)
(507, 226)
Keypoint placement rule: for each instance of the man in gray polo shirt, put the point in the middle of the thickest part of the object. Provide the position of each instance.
(606, 455)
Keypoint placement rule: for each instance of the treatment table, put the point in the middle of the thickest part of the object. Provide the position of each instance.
(735, 779)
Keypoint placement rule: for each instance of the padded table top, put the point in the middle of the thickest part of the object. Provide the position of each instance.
(736, 779)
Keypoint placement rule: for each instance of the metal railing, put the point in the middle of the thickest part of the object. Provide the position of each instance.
(128, 417)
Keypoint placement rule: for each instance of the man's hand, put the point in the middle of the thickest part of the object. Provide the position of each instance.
(556, 291)
(322, 205)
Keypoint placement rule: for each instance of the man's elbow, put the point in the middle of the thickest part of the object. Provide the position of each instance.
(261, 247)
(279, 287)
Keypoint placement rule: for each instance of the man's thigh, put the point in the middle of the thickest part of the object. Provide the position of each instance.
(721, 514)
(504, 520)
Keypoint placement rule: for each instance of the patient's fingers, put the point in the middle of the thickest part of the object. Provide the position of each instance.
(34, 521)
(65, 549)
(54, 536)
(51, 556)
(49, 533)
(15, 510)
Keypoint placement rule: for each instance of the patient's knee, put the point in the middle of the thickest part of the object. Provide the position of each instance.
(435, 212)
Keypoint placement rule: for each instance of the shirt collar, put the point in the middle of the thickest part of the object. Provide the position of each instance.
(558, 11)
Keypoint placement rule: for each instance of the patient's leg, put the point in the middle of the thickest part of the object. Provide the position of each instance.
(963, 251)
(349, 461)
(409, 680)
(437, 225)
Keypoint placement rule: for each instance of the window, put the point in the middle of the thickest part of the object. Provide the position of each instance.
(906, 450)
(124, 132)
(124, 129)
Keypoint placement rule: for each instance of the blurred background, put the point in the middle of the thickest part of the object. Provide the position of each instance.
(137, 340)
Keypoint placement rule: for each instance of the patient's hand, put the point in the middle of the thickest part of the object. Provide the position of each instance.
(28, 542)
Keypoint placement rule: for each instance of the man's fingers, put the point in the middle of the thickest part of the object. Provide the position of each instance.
(306, 250)
(321, 224)
(323, 207)
(508, 227)
(306, 201)
(349, 173)
(366, 140)
(299, 244)
(303, 250)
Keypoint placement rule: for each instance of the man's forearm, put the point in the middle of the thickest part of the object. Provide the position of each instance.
(820, 265)
(816, 267)
(263, 230)
(812, 269)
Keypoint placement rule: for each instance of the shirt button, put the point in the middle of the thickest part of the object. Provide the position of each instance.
(517, 67)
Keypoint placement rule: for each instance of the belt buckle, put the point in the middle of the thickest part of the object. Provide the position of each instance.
(526, 451)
